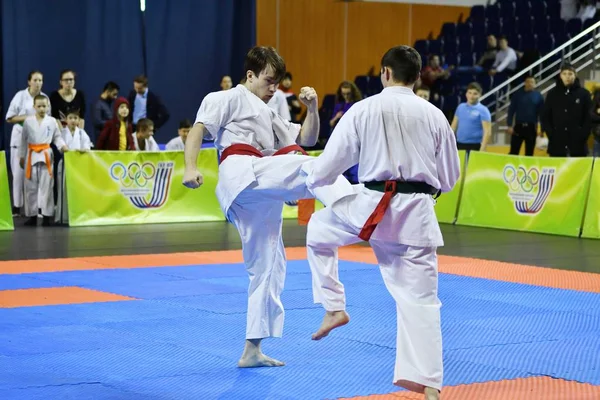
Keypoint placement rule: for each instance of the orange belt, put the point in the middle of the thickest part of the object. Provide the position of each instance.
(247, 150)
(38, 148)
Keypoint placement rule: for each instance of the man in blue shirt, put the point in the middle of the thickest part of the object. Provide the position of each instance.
(472, 122)
(523, 117)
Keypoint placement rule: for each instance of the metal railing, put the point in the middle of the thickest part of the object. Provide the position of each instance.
(581, 51)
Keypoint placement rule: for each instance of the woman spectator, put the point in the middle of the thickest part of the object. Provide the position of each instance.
(67, 98)
(347, 94)
(21, 106)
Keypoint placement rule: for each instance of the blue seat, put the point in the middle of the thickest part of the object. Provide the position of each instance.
(574, 27)
(529, 41)
(480, 43)
(449, 59)
(329, 99)
(466, 59)
(465, 79)
(524, 24)
(541, 25)
(523, 9)
(463, 29)
(375, 85)
(362, 83)
(422, 46)
(478, 27)
(465, 45)
(492, 12)
(507, 10)
(546, 44)
(448, 29)
(493, 27)
(435, 47)
(450, 103)
(450, 46)
(477, 13)
(557, 25)
(485, 81)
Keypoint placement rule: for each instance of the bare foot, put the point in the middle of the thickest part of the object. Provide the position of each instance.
(432, 394)
(332, 320)
(259, 360)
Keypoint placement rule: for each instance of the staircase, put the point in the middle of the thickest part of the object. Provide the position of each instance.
(582, 51)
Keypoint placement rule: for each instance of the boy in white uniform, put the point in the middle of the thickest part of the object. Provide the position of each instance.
(76, 139)
(178, 143)
(406, 149)
(36, 158)
(143, 139)
(256, 176)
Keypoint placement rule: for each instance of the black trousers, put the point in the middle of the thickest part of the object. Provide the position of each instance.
(468, 146)
(523, 133)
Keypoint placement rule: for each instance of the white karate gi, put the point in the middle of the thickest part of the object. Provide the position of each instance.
(252, 190)
(393, 135)
(39, 187)
(21, 104)
(76, 141)
(175, 144)
(151, 144)
(280, 105)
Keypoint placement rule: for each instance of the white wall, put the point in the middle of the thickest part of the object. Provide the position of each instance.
(467, 3)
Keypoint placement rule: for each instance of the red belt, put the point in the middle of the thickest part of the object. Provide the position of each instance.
(377, 215)
(247, 150)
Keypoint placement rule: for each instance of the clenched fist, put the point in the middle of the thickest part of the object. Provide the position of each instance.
(192, 179)
(308, 96)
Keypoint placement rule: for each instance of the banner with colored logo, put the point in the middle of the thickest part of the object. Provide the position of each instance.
(591, 224)
(6, 219)
(447, 203)
(535, 194)
(114, 188)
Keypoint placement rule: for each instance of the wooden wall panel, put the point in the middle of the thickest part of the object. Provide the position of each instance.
(427, 18)
(266, 18)
(311, 39)
(372, 29)
(312, 35)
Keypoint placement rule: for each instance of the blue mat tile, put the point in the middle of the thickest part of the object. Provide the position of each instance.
(105, 277)
(204, 271)
(575, 358)
(13, 282)
(83, 391)
(56, 339)
(78, 314)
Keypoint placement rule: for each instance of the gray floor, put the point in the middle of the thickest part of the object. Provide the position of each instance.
(58, 242)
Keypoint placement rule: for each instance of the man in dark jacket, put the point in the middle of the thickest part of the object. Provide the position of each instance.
(566, 116)
(147, 104)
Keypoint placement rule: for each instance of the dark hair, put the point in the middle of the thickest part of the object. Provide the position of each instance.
(74, 111)
(354, 92)
(423, 87)
(32, 73)
(405, 63)
(568, 66)
(185, 124)
(141, 79)
(260, 57)
(287, 75)
(110, 85)
(65, 71)
(475, 86)
(529, 77)
(144, 124)
(503, 37)
(40, 97)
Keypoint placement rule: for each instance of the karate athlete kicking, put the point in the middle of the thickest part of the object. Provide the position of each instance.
(257, 174)
(406, 153)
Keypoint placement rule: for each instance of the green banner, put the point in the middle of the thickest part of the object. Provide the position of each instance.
(447, 204)
(536, 194)
(591, 225)
(115, 188)
(6, 219)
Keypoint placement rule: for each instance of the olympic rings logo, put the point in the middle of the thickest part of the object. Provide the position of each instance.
(134, 173)
(520, 178)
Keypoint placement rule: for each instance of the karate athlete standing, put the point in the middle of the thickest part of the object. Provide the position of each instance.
(406, 153)
(256, 176)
